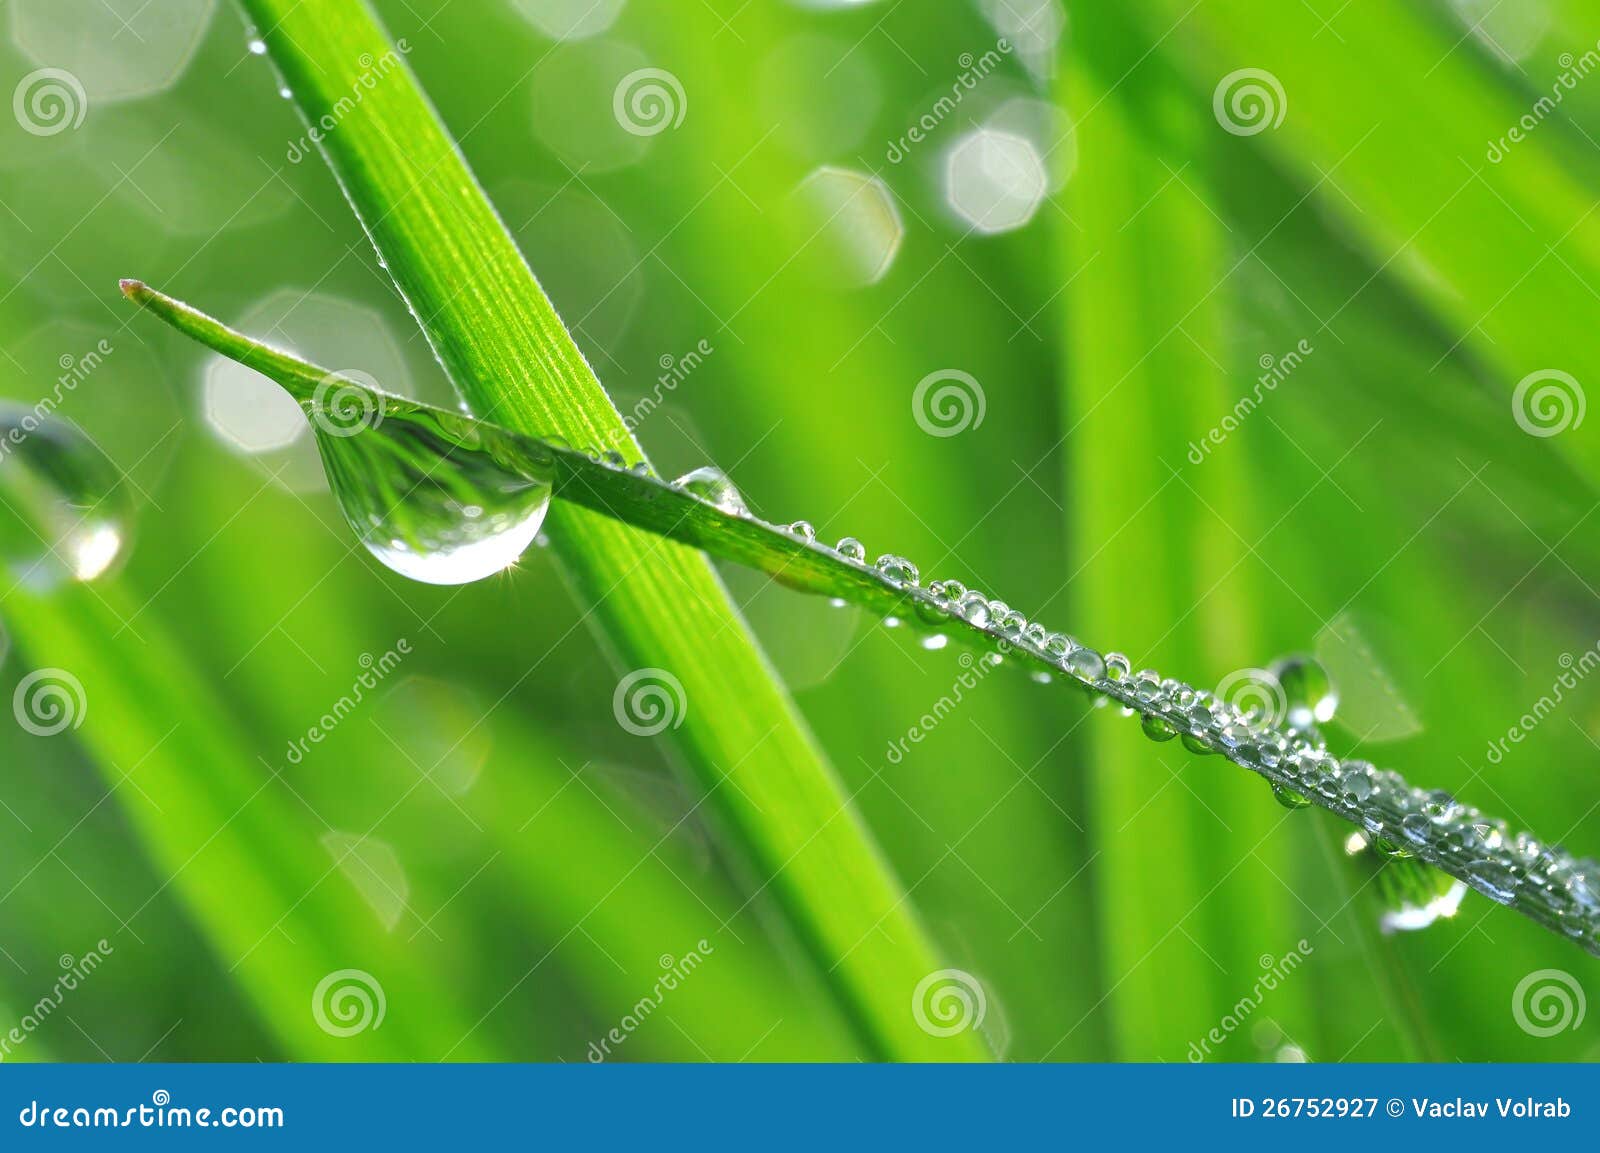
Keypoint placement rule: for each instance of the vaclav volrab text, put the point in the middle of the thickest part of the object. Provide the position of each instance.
(1503, 1106)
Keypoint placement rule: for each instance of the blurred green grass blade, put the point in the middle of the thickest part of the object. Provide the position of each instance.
(655, 604)
(536, 851)
(1506, 251)
(244, 855)
(1184, 933)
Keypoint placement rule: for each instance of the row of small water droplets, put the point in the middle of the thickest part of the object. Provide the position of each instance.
(1399, 820)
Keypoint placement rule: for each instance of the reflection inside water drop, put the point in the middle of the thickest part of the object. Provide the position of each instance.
(64, 514)
(436, 497)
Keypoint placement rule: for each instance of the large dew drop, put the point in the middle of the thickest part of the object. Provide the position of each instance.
(436, 497)
(64, 514)
(1307, 690)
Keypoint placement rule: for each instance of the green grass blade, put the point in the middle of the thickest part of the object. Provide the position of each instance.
(232, 840)
(657, 605)
(1380, 802)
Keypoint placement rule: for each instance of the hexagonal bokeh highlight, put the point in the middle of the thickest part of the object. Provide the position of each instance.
(853, 216)
(1510, 32)
(256, 418)
(587, 260)
(374, 869)
(1033, 27)
(442, 726)
(574, 112)
(820, 95)
(569, 19)
(995, 180)
(150, 165)
(115, 49)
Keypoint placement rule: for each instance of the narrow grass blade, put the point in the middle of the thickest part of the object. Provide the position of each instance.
(1550, 885)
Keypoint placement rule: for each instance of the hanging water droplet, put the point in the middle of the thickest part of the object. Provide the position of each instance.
(1288, 798)
(405, 476)
(1356, 786)
(1494, 880)
(1085, 664)
(1197, 746)
(1307, 689)
(974, 607)
(1389, 849)
(712, 485)
(64, 515)
(1157, 728)
(851, 549)
(898, 569)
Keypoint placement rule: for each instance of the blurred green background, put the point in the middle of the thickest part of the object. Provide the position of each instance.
(1113, 252)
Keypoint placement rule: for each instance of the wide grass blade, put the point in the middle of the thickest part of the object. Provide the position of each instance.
(656, 605)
